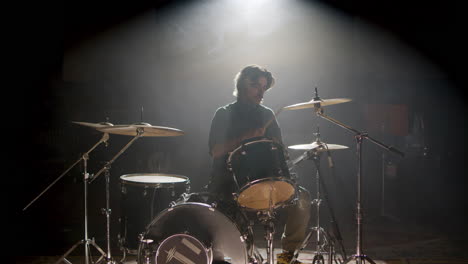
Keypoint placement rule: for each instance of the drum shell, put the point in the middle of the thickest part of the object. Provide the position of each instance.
(142, 200)
(226, 234)
(258, 159)
(260, 170)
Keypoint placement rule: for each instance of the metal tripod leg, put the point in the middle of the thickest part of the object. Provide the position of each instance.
(88, 259)
(318, 258)
(320, 247)
(85, 241)
(360, 259)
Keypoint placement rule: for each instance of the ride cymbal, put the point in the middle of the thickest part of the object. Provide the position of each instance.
(319, 102)
(146, 129)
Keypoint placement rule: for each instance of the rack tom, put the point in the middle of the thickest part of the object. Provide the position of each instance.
(260, 170)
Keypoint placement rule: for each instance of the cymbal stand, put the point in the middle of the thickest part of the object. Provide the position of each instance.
(107, 210)
(86, 241)
(359, 257)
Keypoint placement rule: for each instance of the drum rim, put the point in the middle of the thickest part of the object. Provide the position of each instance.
(283, 179)
(125, 181)
(208, 206)
(250, 143)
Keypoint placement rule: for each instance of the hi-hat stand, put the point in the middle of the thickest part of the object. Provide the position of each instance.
(360, 257)
(86, 241)
(314, 154)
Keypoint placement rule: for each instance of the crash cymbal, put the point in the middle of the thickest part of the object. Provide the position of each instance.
(94, 125)
(319, 146)
(313, 102)
(147, 129)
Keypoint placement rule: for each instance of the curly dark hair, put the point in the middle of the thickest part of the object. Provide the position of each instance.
(251, 72)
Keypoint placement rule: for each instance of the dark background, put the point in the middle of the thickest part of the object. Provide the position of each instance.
(429, 188)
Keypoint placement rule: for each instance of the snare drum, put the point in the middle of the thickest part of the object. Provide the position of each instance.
(143, 196)
(259, 168)
(197, 230)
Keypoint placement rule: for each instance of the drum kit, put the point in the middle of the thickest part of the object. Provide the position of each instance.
(162, 222)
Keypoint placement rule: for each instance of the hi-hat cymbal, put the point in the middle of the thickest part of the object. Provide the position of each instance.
(318, 146)
(313, 102)
(94, 125)
(147, 130)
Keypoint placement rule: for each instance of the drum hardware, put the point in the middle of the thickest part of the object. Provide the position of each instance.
(107, 211)
(360, 257)
(314, 154)
(136, 130)
(146, 250)
(267, 219)
(85, 241)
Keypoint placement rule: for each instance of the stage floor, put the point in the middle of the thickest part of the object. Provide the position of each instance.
(384, 242)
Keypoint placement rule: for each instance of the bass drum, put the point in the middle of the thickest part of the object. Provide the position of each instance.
(197, 230)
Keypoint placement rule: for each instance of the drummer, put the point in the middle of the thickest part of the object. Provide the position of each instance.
(244, 119)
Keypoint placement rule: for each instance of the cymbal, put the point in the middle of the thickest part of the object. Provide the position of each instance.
(94, 125)
(313, 102)
(318, 146)
(147, 129)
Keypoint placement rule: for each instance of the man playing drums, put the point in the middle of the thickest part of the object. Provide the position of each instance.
(247, 119)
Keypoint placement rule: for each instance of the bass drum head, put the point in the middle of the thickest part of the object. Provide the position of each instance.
(215, 231)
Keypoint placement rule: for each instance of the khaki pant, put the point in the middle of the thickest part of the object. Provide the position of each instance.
(297, 221)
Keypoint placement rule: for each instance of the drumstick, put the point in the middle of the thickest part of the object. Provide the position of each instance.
(272, 118)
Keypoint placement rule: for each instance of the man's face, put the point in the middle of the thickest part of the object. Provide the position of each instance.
(254, 90)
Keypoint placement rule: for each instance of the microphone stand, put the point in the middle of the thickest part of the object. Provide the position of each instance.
(107, 210)
(86, 241)
(360, 136)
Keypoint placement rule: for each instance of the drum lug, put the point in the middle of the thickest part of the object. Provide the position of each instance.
(243, 238)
